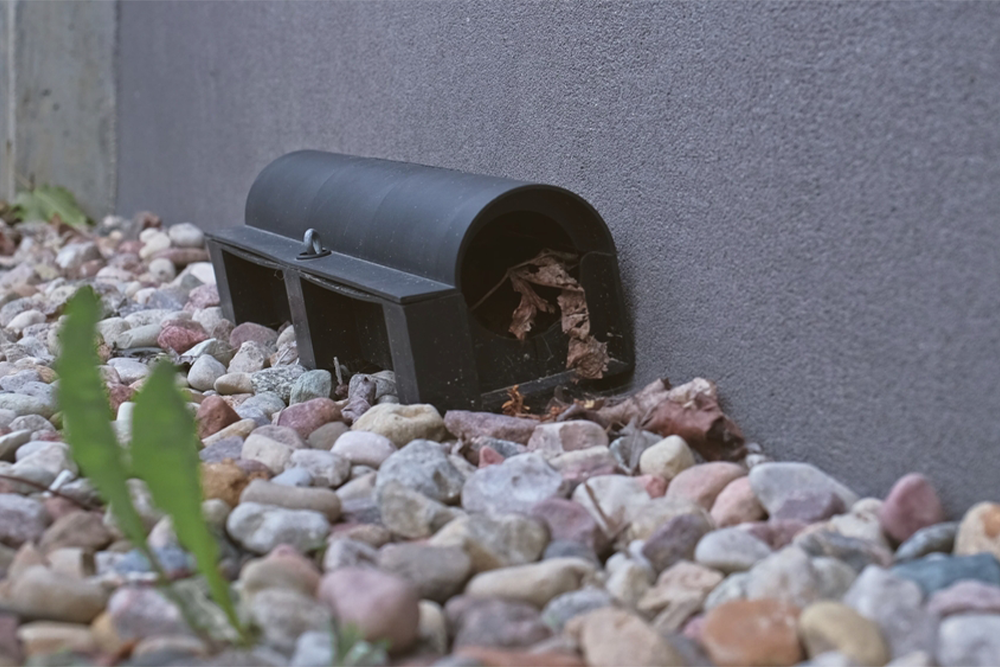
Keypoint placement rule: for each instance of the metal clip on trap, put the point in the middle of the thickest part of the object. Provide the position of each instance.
(380, 263)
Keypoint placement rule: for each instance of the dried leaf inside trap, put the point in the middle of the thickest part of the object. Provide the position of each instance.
(531, 303)
(588, 356)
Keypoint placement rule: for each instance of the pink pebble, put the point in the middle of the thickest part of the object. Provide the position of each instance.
(912, 504)
(655, 485)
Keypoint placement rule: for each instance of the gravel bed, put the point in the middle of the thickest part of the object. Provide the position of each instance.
(459, 539)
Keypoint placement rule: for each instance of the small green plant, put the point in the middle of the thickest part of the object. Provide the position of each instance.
(351, 649)
(164, 451)
(45, 202)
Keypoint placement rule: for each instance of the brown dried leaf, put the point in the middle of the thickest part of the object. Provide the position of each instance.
(702, 424)
(588, 356)
(637, 406)
(514, 407)
(531, 303)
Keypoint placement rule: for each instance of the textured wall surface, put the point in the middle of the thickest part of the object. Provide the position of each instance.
(805, 196)
(58, 87)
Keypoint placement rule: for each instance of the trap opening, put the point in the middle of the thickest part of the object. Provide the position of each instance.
(502, 243)
(350, 329)
(259, 294)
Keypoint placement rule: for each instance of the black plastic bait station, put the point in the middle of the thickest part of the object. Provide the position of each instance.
(396, 265)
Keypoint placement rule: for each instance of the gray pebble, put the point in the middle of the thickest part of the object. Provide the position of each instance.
(309, 385)
(204, 372)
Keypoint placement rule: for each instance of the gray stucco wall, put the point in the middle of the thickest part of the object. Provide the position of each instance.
(57, 92)
(805, 196)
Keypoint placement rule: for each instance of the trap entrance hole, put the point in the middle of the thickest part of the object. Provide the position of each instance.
(352, 330)
(504, 242)
(259, 293)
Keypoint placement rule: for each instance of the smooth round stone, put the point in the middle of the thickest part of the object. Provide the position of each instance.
(570, 521)
(213, 415)
(186, 235)
(424, 467)
(618, 497)
(678, 593)
(481, 622)
(47, 637)
(468, 426)
(21, 519)
(249, 358)
(612, 637)
(895, 604)
(965, 597)
(326, 468)
(204, 372)
(774, 482)
(345, 552)
(409, 513)
(733, 587)
(308, 416)
(855, 552)
(786, 575)
(250, 331)
(260, 528)
(495, 541)
(534, 583)
(272, 453)
(294, 477)
(628, 579)
(752, 632)
(77, 528)
(730, 550)
(22, 404)
(831, 626)
(227, 448)
(912, 504)
(47, 595)
(310, 385)
(233, 383)
(266, 401)
(438, 573)
(176, 562)
(675, 540)
(933, 539)
(935, 572)
(224, 480)
(154, 243)
(737, 504)
(362, 447)
(562, 608)
(835, 577)
(316, 499)
(667, 458)
(283, 615)
(313, 648)
(560, 437)
(138, 612)
(703, 483)
(809, 506)
(515, 485)
(218, 349)
(403, 423)
(969, 640)
(979, 531)
(382, 606)
(25, 320)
